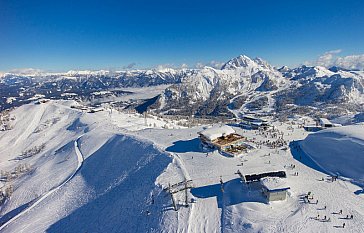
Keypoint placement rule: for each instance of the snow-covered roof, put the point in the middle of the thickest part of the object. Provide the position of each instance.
(310, 126)
(217, 131)
(325, 121)
(274, 183)
(253, 119)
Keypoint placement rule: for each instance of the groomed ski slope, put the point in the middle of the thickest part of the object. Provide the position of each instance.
(50, 192)
(127, 166)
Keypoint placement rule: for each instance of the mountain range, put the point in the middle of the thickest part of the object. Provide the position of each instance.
(241, 85)
(244, 85)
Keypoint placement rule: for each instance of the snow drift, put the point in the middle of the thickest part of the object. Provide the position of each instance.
(338, 151)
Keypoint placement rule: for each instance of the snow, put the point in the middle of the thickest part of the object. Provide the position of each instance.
(87, 72)
(50, 192)
(217, 131)
(108, 172)
(324, 121)
(338, 151)
(237, 76)
(274, 183)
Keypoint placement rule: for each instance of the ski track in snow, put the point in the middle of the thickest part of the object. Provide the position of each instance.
(29, 129)
(32, 126)
(80, 160)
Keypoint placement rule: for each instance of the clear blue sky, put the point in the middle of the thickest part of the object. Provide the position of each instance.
(94, 34)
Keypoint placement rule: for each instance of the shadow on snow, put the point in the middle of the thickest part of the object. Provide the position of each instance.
(305, 159)
(302, 157)
(181, 146)
(14, 212)
(235, 192)
(120, 179)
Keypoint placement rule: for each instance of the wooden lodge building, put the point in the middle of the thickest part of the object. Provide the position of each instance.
(225, 139)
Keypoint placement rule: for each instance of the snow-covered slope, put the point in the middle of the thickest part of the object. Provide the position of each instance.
(245, 84)
(87, 176)
(112, 192)
(338, 151)
(208, 91)
(315, 85)
(241, 85)
(110, 171)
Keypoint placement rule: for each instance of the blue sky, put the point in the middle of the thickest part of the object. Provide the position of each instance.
(94, 34)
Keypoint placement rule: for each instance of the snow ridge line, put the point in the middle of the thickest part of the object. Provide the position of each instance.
(187, 177)
(181, 165)
(80, 160)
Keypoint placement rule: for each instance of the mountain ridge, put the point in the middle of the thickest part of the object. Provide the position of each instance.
(241, 85)
(266, 89)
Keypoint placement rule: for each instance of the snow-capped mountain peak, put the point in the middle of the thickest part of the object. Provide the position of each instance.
(262, 63)
(284, 69)
(237, 62)
(215, 87)
(254, 84)
(87, 72)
